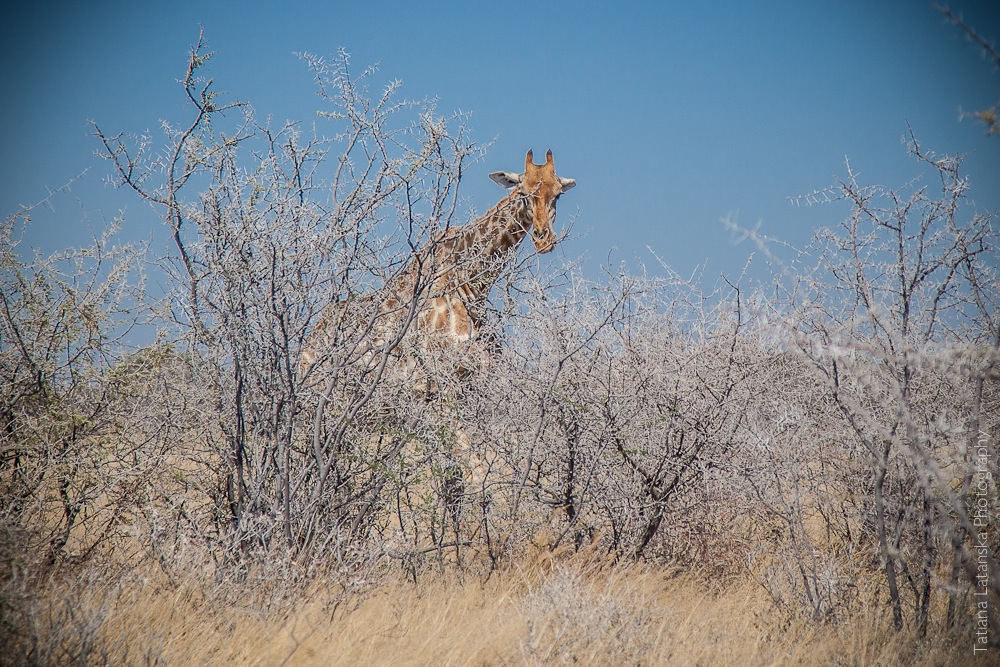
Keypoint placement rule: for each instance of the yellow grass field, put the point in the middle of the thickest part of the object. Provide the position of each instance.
(573, 612)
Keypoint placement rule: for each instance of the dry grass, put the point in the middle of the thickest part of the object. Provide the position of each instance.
(574, 611)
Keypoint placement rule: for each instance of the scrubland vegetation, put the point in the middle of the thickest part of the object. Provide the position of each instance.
(637, 470)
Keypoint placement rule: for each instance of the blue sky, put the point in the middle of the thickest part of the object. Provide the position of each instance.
(670, 115)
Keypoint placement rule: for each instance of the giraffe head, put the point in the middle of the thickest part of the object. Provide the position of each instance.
(540, 186)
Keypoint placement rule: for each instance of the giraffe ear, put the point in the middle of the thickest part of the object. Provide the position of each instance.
(506, 179)
(567, 183)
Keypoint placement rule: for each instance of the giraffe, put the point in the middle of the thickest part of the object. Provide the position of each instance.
(439, 301)
(442, 293)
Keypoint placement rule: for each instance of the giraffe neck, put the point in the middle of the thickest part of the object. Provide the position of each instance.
(505, 225)
(465, 263)
(487, 244)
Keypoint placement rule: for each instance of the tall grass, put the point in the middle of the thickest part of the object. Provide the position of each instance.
(560, 612)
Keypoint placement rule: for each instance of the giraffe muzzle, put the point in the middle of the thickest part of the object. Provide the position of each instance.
(544, 241)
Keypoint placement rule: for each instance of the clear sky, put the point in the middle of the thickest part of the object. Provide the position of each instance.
(670, 115)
